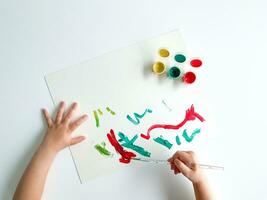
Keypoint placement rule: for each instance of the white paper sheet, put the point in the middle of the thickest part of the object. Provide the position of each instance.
(123, 80)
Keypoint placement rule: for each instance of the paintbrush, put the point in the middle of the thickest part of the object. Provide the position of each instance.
(157, 161)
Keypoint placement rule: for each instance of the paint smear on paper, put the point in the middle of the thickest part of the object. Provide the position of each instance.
(137, 116)
(178, 141)
(96, 119)
(130, 144)
(126, 156)
(189, 116)
(163, 142)
(165, 104)
(100, 112)
(190, 138)
(101, 148)
(111, 111)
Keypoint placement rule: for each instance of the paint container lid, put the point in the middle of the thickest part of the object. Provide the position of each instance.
(189, 77)
(174, 72)
(179, 57)
(158, 68)
(195, 62)
(163, 52)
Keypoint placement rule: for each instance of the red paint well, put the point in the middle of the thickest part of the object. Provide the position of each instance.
(196, 62)
(189, 77)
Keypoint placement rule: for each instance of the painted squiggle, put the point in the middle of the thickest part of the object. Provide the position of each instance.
(101, 148)
(190, 115)
(126, 156)
(136, 121)
(190, 138)
(163, 142)
(130, 144)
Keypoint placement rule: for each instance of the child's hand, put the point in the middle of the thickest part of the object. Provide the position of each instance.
(58, 135)
(185, 162)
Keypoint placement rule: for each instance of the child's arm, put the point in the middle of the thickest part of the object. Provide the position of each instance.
(185, 162)
(58, 136)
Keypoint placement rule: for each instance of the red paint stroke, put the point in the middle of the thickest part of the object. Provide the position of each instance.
(190, 115)
(126, 156)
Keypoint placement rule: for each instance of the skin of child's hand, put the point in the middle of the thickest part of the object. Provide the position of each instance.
(185, 162)
(58, 135)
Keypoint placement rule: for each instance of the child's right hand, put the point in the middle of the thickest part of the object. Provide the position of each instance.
(185, 162)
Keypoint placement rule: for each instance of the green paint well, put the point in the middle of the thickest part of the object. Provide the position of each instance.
(163, 142)
(174, 72)
(101, 148)
(179, 58)
(178, 141)
(126, 142)
(111, 111)
(190, 138)
(96, 119)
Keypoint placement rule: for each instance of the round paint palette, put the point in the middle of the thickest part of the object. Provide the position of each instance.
(180, 58)
(189, 77)
(164, 53)
(158, 68)
(174, 72)
(196, 62)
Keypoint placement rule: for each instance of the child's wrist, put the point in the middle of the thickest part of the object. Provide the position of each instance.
(48, 148)
(200, 181)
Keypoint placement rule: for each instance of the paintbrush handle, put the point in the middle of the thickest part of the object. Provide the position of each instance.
(204, 166)
(157, 161)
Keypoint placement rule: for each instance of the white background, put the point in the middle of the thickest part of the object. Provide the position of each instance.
(39, 37)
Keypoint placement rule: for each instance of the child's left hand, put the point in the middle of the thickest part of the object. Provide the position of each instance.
(58, 135)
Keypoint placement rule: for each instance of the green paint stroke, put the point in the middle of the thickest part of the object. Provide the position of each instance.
(130, 144)
(111, 111)
(177, 140)
(96, 119)
(136, 121)
(190, 138)
(100, 112)
(101, 148)
(163, 142)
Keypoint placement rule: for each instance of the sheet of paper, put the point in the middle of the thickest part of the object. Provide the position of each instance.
(122, 80)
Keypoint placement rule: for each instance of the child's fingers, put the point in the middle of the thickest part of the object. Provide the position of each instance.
(60, 112)
(182, 167)
(77, 140)
(185, 157)
(172, 166)
(78, 122)
(170, 159)
(71, 112)
(48, 119)
(176, 171)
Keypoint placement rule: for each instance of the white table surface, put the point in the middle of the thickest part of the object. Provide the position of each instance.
(39, 37)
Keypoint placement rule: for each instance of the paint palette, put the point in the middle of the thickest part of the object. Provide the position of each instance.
(175, 70)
